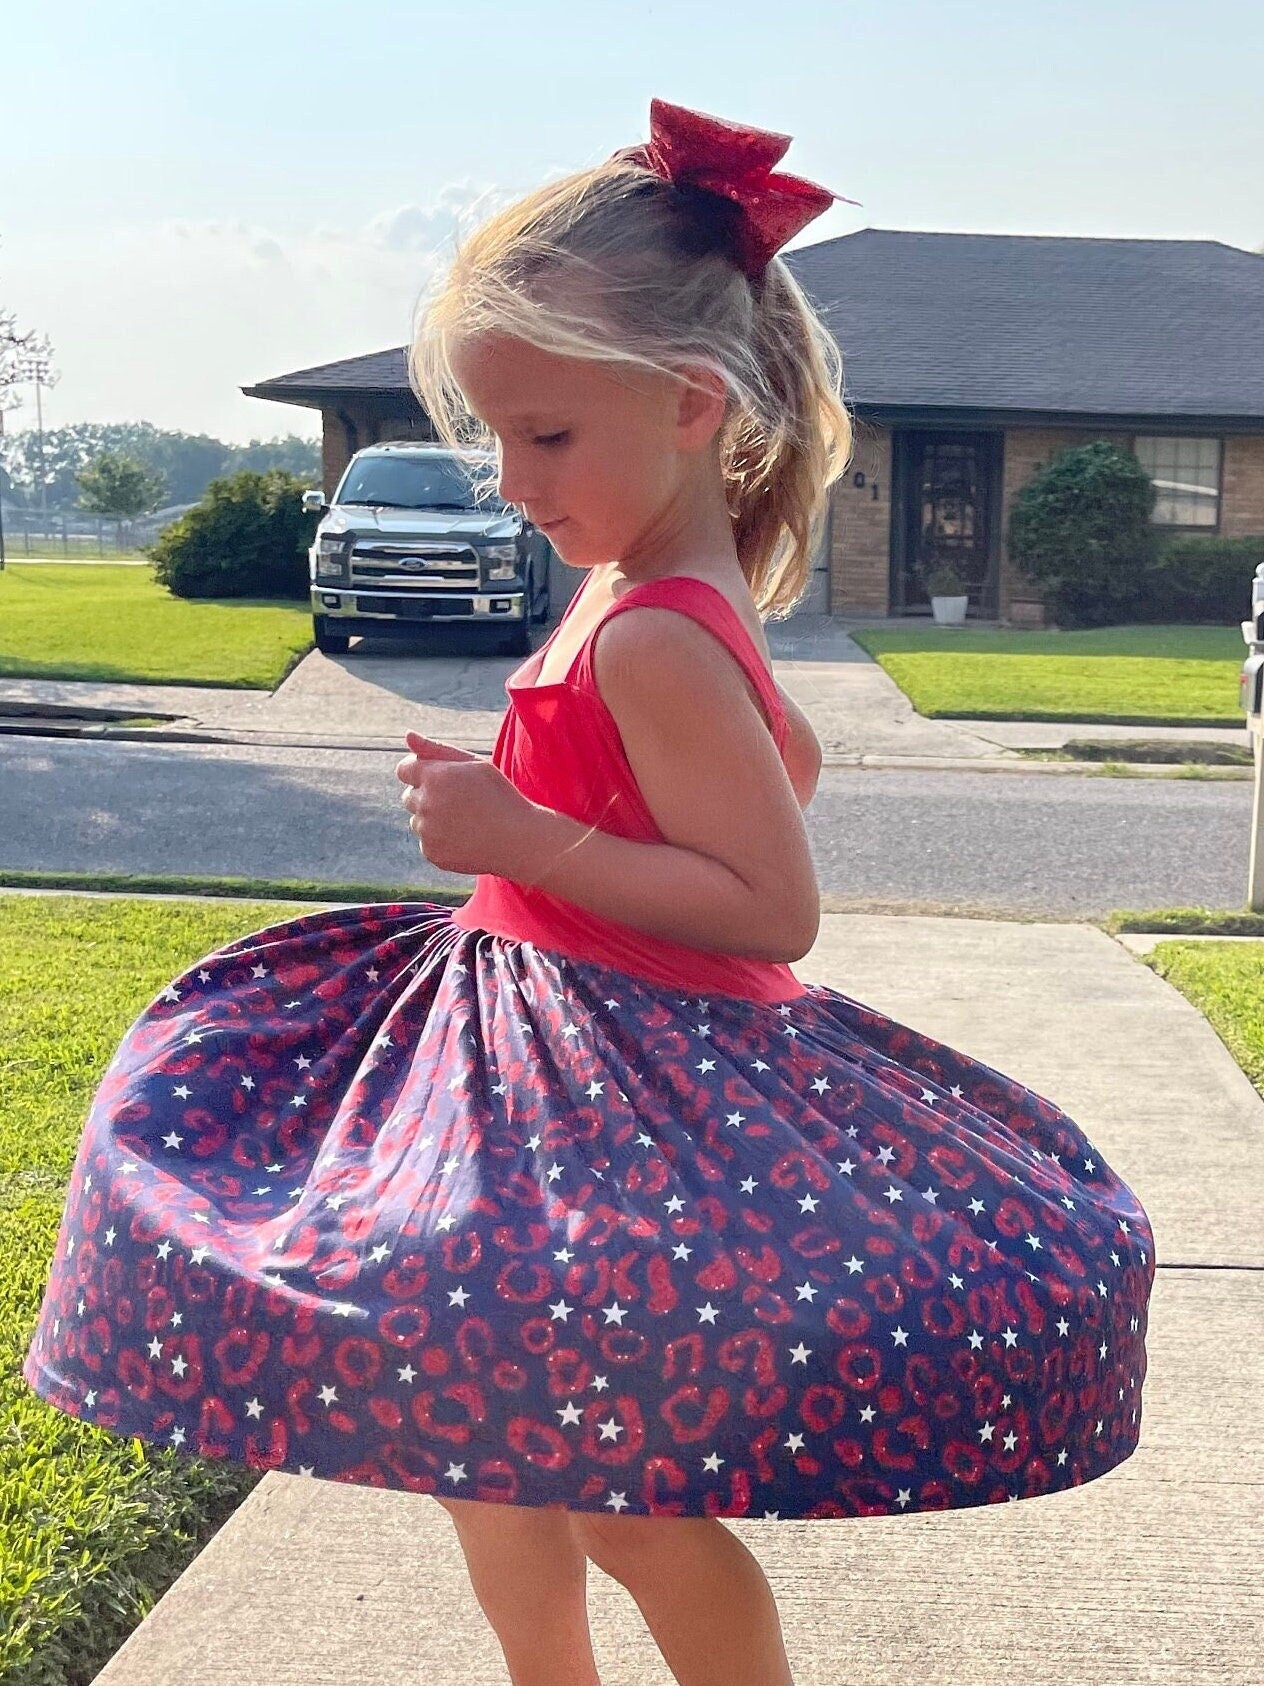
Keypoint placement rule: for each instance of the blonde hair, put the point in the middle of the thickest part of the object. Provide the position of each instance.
(616, 264)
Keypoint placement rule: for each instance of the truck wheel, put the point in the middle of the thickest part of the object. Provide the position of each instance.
(518, 642)
(331, 643)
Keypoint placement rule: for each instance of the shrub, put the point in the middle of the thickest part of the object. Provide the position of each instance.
(1200, 578)
(1081, 529)
(945, 581)
(247, 538)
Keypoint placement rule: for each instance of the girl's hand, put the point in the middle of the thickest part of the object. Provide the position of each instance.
(466, 815)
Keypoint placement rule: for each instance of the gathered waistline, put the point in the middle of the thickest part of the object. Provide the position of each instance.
(703, 989)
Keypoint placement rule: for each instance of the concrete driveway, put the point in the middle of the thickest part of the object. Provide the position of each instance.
(448, 684)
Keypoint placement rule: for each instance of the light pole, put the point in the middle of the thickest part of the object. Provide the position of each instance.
(5, 471)
(34, 366)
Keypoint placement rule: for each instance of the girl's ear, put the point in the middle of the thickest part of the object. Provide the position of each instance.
(700, 404)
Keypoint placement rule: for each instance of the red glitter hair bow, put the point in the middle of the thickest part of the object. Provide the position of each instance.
(727, 158)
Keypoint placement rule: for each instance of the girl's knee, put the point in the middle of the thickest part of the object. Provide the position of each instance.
(488, 1518)
(615, 1542)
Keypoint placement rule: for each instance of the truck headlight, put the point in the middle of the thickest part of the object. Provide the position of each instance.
(501, 560)
(333, 553)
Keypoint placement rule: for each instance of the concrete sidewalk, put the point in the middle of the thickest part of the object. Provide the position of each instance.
(370, 697)
(1150, 1573)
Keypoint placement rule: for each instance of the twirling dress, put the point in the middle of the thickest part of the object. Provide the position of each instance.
(514, 1203)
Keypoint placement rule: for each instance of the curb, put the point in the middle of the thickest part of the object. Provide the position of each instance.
(71, 724)
(55, 720)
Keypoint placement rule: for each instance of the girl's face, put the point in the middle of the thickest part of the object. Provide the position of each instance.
(598, 455)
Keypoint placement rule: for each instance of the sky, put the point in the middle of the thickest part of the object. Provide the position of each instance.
(199, 197)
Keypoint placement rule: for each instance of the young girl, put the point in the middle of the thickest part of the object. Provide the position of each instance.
(574, 1208)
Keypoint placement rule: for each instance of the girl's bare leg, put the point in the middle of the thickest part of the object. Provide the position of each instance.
(529, 1575)
(704, 1596)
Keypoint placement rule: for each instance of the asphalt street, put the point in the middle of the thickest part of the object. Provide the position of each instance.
(1034, 844)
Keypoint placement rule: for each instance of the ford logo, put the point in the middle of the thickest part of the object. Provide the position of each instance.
(410, 563)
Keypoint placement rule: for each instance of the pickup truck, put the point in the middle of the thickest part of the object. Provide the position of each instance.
(403, 543)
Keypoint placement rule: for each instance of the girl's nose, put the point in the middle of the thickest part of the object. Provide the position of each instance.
(512, 483)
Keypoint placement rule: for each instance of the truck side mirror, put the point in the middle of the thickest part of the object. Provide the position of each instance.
(314, 503)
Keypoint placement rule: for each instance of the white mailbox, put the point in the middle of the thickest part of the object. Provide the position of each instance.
(1251, 698)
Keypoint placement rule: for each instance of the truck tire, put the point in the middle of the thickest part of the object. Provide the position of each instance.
(331, 643)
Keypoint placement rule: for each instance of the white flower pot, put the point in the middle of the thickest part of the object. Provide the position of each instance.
(949, 611)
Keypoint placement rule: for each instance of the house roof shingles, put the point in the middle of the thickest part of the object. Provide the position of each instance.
(1000, 324)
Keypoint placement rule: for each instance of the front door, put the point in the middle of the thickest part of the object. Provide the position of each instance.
(947, 504)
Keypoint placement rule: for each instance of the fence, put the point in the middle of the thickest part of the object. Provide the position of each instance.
(31, 532)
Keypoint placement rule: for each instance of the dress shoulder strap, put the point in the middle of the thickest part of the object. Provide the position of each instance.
(708, 605)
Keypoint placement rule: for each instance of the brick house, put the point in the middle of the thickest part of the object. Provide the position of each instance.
(969, 360)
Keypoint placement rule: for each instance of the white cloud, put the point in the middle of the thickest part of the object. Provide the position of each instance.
(164, 322)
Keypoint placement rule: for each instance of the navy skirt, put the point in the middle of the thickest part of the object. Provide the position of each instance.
(372, 1198)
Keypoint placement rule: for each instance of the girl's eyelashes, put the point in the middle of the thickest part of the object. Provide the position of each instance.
(552, 439)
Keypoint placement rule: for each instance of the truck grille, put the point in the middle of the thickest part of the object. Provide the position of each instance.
(415, 608)
(397, 564)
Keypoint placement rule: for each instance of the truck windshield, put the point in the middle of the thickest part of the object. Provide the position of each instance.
(430, 482)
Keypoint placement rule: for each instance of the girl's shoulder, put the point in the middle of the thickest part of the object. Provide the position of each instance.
(728, 585)
(659, 647)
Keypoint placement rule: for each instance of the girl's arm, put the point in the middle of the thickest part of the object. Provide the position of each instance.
(735, 872)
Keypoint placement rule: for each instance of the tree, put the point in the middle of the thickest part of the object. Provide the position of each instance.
(119, 486)
(15, 348)
(188, 462)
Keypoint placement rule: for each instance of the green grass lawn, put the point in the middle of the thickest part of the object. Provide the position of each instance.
(115, 623)
(1135, 675)
(93, 1528)
(1225, 981)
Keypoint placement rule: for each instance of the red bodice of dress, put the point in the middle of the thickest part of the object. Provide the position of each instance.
(559, 745)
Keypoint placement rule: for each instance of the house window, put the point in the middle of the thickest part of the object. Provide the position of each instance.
(1186, 477)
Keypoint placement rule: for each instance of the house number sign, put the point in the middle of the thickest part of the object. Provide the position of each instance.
(858, 480)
